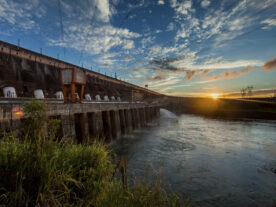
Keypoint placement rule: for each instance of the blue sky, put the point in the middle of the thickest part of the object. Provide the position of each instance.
(184, 48)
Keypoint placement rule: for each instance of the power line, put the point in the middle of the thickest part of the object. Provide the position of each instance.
(88, 32)
(128, 14)
(120, 26)
(61, 25)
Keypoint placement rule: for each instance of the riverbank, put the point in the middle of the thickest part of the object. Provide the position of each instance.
(36, 170)
(224, 107)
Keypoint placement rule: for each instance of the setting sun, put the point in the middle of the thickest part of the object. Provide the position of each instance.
(215, 95)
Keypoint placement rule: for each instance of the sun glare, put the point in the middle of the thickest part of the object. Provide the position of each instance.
(215, 95)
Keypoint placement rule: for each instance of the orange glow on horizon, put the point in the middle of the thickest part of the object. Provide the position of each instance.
(215, 95)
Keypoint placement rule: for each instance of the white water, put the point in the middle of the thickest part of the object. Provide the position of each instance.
(167, 114)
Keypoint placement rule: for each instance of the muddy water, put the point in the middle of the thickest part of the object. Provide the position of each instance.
(214, 162)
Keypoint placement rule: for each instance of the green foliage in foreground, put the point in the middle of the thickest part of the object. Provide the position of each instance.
(41, 172)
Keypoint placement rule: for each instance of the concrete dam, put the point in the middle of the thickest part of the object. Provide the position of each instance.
(89, 104)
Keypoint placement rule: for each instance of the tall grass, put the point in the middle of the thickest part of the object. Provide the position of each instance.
(37, 171)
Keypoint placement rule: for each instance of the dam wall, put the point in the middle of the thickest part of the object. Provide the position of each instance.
(88, 104)
(26, 71)
(83, 122)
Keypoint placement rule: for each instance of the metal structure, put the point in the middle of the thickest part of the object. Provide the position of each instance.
(73, 81)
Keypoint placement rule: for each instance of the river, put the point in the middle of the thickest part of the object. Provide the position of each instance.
(212, 161)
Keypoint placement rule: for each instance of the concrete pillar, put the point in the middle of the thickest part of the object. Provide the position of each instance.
(157, 112)
(81, 127)
(133, 116)
(68, 126)
(123, 122)
(107, 132)
(142, 117)
(115, 124)
(5, 119)
(138, 119)
(148, 114)
(86, 127)
(152, 113)
(95, 123)
(128, 119)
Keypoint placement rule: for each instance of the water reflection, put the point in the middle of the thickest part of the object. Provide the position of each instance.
(215, 162)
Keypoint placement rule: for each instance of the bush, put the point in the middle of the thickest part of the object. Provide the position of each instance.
(55, 175)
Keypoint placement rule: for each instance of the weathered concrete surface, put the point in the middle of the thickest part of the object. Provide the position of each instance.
(115, 124)
(68, 126)
(137, 118)
(128, 118)
(95, 124)
(134, 118)
(123, 122)
(107, 128)
(142, 117)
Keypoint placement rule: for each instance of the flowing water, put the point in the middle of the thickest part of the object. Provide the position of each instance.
(214, 162)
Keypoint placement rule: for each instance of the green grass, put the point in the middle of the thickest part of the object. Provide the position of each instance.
(69, 175)
(37, 171)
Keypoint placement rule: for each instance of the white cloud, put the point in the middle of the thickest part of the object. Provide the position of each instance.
(205, 3)
(238, 24)
(183, 7)
(161, 2)
(104, 10)
(173, 3)
(147, 41)
(21, 15)
(213, 60)
(107, 60)
(170, 27)
(129, 44)
(155, 50)
(128, 59)
(223, 25)
(269, 23)
(220, 65)
(167, 82)
(99, 40)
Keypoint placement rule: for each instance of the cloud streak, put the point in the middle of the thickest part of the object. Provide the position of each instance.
(164, 64)
(21, 15)
(228, 74)
(156, 77)
(191, 73)
(270, 65)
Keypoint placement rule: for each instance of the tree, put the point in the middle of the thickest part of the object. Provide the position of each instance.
(249, 90)
(35, 121)
(243, 92)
